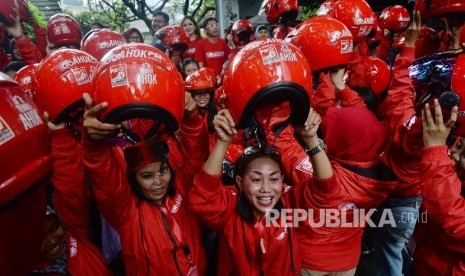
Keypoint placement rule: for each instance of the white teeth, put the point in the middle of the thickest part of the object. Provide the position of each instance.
(264, 199)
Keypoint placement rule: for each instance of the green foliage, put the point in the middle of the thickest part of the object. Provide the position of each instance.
(197, 8)
(38, 17)
(310, 10)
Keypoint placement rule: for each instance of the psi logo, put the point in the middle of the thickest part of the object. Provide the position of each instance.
(6, 133)
(118, 75)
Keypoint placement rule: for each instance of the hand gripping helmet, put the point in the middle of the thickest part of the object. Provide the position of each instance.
(441, 76)
(325, 42)
(63, 29)
(23, 10)
(242, 31)
(26, 77)
(395, 19)
(266, 72)
(439, 8)
(428, 42)
(139, 81)
(26, 164)
(375, 37)
(285, 10)
(204, 79)
(101, 41)
(174, 37)
(62, 77)
(357, 15)
(378, 74)
(8, 12)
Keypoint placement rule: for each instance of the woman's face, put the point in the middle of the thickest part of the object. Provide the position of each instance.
(262, 184)
(190, 68)
(189, 27)
(54, 240)
(16, 52)
(153, 181)
(262, 34)
(201, 99)
(135, 37)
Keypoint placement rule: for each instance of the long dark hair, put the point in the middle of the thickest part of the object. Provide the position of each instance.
(197, 31)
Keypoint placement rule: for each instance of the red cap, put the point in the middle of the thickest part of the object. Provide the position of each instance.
(8, 12)
(325, 42)
(357, 15)
(205, 78)
(139, 81)
(394, 18)
(264, 72)
(174, 36)
(63, 29)
(144, 153)
(26, 77)
(62, 77)
(437, 8)
(101, 41)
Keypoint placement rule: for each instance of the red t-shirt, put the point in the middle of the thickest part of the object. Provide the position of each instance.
(212, 55)
(190, 53)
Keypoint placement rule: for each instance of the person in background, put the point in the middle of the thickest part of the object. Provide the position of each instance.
(133, 35)
(96, 25)
(160, 20)
(192, 30)
(212, 51)
(189, 66)
(262, 32)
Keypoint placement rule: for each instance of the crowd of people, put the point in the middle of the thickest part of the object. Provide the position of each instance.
(331, 146)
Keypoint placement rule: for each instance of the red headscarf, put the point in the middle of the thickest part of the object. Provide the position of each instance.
(144, 153)
(353, 135)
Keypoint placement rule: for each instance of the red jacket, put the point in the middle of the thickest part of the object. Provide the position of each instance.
(216, 205)
(440, 243)
(150, 243)
(325, 96)
(338, 248)
(403, 155)
(72, 203)
(383, 48)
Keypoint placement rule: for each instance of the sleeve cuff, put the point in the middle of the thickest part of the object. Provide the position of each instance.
(208, 182)
(435, 153)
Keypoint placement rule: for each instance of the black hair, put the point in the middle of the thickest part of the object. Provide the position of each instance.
(165, 16)
(14, 66)
(368, 97)
(186, 62)
(197, 31)
(98, 24)
(206, 20)
(245, 159)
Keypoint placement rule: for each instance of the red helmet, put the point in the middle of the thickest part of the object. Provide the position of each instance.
(84, 38)
(394, 18)
(174, 37)
(23, 10)
(357, 15)
(62, 77)
(242, 30)
(26, 162)
(264, 72)
(98, 43)
(203, 79)
(441, 76)
(376, 36)
(139, 81)
(428, 42)
(26, 77)
(63, 29)
(438, 8)
(325, 42)
(378, 74)
(276, 9)
(8, 12)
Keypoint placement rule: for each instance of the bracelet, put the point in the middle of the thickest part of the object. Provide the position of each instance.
(315, 150)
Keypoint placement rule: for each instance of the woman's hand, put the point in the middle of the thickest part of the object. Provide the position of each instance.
(435, 131)
(93, 128)
(307, 132)
(224, 126)
(413, 31)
